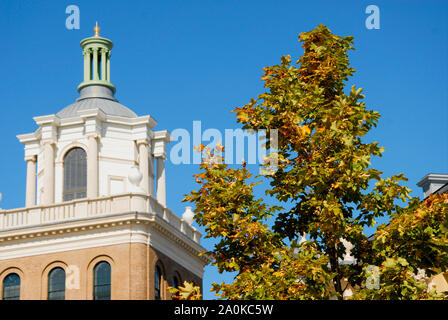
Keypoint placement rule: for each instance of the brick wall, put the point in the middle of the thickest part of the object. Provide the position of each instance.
(132, 266)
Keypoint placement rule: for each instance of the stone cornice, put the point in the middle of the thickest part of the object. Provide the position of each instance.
(162, 135)
(95, 112)
(48, 119)
(29, 137)
(144, 120)
(50, 230)
(66, 122)
(92, 113)
(96, 42)
(433, 177)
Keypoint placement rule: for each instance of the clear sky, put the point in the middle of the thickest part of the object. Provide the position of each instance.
(182, 61)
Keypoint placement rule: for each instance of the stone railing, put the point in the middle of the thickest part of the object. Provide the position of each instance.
(89, 208)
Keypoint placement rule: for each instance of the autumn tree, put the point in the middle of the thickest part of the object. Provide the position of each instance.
(331, 193)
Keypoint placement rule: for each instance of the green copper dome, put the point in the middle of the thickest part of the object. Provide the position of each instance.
(96, 91)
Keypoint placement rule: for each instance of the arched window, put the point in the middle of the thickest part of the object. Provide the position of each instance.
(56, 284)
(11, 287)
(157, 283)
(101, 281)
(175, 282)
(75, 174)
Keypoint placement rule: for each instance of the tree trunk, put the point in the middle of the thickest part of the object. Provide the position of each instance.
(334, 266)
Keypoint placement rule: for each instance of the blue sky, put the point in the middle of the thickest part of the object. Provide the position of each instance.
(181, 61)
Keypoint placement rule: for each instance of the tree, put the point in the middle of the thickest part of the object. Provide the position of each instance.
(325, 176)
(188, 292)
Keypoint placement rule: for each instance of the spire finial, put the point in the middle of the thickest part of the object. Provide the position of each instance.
(96, 28)
(96, 52)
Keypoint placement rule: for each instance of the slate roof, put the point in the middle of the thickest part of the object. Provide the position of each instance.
(109, 107)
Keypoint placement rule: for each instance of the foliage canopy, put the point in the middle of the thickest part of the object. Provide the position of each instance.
(325, 175)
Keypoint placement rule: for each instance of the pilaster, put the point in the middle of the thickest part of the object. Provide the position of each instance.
(143, 159)
(92, 166)
(48, 146)
(30, 181)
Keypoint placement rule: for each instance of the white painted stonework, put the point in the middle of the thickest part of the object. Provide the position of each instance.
(87, 223)
(117, 213)
(117, 149)
(125, 195)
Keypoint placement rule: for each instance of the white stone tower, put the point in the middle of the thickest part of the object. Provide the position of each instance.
(96, 200)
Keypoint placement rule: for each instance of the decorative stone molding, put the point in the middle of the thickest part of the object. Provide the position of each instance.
(48, 119)
(49, 141)
(431, 183)
(31, 158)
(114, 138)
(100, 231)
(61, 153)
(20, 221)
(90, 270)
(45, 273)
(141, 141)
(87, 51)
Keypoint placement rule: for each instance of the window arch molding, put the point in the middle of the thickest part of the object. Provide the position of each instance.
(90, 274)
(57, 279)
(44, 277)
(63, 152)
(74, 173)
(102, 281)
(59, 163)
(175, 277)
(162, 283)
(8, 271)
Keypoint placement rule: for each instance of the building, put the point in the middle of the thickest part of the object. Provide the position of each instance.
(96, 224)
(431, 183)
(436, 183)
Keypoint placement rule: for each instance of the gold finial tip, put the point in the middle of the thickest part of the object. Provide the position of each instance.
(96, 28)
